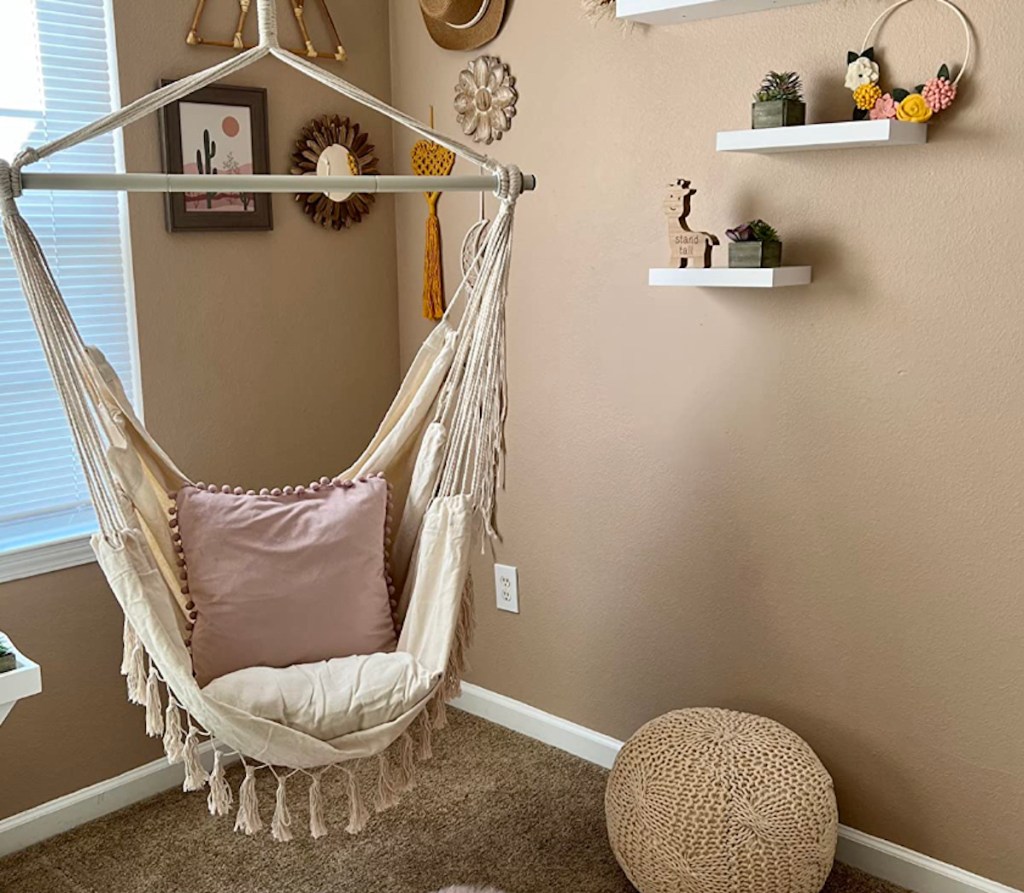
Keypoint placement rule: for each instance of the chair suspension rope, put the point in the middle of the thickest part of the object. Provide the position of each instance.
(268, 45)
(66, 356)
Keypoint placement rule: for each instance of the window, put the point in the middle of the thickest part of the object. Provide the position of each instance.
(57, 72)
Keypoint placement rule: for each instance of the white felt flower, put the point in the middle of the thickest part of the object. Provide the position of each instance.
(861, 71)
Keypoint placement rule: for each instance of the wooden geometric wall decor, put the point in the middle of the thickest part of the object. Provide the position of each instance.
(237, 41)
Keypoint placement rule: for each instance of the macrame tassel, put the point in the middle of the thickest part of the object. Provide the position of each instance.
(463, 637)
(451, 687)
(129, 642)
(248, 819)
(317, 825)
(154, 706)
(358, 814)
(281, 824)
(137, 676)
(426, 751)
(439, 711)
(172, 733)
(387, 788)
(195, 774)
(405, 774)
(221, 798)
(433, 282)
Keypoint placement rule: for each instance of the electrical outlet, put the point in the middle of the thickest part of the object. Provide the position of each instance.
(506, 585)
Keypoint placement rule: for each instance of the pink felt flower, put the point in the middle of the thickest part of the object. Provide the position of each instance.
(884, 108)
(939, 93)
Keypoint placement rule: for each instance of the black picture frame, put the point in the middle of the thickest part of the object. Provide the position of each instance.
(179, 218)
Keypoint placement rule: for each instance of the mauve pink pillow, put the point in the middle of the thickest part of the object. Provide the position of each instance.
(288, 578)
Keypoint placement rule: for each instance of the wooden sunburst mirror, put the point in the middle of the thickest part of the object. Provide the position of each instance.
(334, 146)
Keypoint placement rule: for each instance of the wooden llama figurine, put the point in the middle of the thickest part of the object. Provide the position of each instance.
(688, 248)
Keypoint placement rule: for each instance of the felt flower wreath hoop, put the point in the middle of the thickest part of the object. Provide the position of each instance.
(918, 105)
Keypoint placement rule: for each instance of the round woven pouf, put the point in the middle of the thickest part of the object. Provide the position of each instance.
(714, 801)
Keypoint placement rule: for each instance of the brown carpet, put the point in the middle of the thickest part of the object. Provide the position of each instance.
(491, 808)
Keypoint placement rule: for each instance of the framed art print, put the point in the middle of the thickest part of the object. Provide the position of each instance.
(218, 130)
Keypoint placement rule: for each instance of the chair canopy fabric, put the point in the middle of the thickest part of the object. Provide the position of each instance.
(440, 444)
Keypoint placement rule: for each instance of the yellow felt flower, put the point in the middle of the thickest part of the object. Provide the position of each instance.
(866, 95)
(914, 109)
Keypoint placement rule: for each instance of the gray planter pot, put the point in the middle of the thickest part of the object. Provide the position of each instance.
(778, 113)
(8, 662)
(755, 255)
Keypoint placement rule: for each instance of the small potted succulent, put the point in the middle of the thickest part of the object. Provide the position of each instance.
(8, 659)
(754, 244)
(780, 101)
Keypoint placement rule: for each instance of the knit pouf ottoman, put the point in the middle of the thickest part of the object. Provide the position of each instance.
(714, 801)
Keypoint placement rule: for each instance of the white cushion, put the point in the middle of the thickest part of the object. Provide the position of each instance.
(330, 698)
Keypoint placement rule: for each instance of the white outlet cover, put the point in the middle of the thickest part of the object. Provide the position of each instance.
(506, 587)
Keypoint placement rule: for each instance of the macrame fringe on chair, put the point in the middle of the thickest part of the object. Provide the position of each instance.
(394, 768)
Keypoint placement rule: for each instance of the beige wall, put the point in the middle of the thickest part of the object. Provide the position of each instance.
(803, 503)
(266, 357)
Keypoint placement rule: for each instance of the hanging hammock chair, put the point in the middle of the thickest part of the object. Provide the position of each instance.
(440, 445)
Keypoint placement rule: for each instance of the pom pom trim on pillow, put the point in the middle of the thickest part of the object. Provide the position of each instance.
(297, 494)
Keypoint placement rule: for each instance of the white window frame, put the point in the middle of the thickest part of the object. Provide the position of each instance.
(60, 554)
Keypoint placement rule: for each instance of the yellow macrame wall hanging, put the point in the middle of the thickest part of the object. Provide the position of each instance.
(431, 160)
(237, 41)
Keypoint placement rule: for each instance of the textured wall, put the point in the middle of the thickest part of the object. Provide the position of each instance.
(803, 503)
(266, 358)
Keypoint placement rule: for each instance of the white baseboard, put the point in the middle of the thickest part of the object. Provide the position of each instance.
(877, 857)
(519, 717)
(64, 813)
(909, 869)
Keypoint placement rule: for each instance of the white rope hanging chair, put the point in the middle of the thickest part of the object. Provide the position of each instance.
(440, 445)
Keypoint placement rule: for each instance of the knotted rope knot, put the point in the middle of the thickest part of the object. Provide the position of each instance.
(10, 176)
(25, 157)
(10, 183)
(510, 183)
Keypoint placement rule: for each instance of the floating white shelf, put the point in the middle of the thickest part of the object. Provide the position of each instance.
(23, 681)
(844, 135)
(672, 12)
(725, 277)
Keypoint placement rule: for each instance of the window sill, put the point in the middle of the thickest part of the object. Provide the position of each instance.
(45, 558)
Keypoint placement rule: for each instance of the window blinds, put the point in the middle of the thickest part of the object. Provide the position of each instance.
(57, 72)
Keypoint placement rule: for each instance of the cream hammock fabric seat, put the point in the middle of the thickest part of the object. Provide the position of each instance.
(440, 444)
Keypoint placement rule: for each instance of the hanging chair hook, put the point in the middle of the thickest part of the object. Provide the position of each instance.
(266, 12)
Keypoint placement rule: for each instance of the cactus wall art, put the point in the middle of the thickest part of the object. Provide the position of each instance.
(204, 162)
(219, 130)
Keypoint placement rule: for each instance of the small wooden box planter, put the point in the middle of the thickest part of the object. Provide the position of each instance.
(756, 255)
(778, 113)
(8, 662)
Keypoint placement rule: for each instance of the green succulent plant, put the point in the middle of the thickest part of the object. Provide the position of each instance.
(780, 85)
(755, 231)
(764, 232)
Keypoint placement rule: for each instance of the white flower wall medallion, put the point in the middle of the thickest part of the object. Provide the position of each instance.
(485, 99)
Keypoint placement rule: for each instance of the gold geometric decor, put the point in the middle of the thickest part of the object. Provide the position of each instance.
(237, 41)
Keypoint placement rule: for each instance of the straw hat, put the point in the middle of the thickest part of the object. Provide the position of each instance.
(463, 24)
